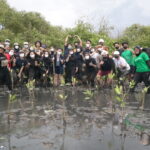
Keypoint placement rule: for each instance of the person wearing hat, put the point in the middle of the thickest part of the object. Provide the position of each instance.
(106, 67)
(26, 48)
(100, 47)
(16, 49)
(141, 63)
(121, 66)
(4, 72)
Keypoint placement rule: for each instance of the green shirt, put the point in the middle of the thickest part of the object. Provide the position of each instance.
(140, 63)
(127, 55)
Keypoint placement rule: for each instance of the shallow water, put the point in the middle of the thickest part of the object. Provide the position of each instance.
(45, 120)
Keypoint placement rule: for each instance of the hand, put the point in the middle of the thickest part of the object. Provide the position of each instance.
(102, 62)
(91, 64)
(19, 75)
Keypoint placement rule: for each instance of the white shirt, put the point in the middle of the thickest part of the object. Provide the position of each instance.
(121, 64)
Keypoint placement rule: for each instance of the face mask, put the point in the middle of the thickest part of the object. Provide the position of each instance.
(16, 47)
(116, 56)
(87, 45)
(11, 53)
(87, 57)
(46, 55)
(71, 53)
(125, 47)
(92, 50)
(21, 55)
(59, 53)
(26, 46)
(32, 56)
(7, 43)
(69, 47)
(78, 50)
(117, 47)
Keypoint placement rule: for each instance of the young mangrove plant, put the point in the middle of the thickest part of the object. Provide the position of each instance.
(88, 94)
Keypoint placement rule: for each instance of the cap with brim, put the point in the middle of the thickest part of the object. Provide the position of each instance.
(101, 40)
(16, 44)
(25, 43)
(104, 52)
(2, 47)
(116, 53)
(7, 40)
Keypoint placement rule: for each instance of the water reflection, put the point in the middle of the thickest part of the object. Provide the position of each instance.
(45, 119)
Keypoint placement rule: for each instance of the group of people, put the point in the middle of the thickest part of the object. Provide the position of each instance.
(76, 64)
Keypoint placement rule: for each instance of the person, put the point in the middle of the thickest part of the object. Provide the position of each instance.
(67, 46)
(106, 67)
(5, 77)
(118, 48)
(33, 66)
(127, 54)
(26, 48)
(79, 62)
(19, 65)
(70, 67)
(58, 67)
(46, 68)
(95, 55)
(78, 44)
(100, 47)
(142, 68)
(90, 69)
(38, 48)
(121, 66)
(88, 47)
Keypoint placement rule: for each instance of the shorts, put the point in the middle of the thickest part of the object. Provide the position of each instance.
(104, 73)
(59, 70)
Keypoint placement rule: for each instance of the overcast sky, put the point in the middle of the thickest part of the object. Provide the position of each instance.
(119, 13)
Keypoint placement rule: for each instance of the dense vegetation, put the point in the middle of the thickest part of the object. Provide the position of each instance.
(20, 26)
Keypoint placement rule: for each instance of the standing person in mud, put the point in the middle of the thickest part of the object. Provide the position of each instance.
(59, 68)
(90, 69)
(19, 65)
(79, 64)
(127, 54)
(33, 66)
(142, 68)
(122, 68)
(106, 67)
(70, 67)
(46, 69)
(4, 72)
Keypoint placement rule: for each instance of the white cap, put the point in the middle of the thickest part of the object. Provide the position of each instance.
(116, 53)
(16, 44)
(26, 43)
(7, 40)
(104, 52)
(1, 46)
(101, 40)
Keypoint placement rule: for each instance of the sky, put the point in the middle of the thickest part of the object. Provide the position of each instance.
(118, 13)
